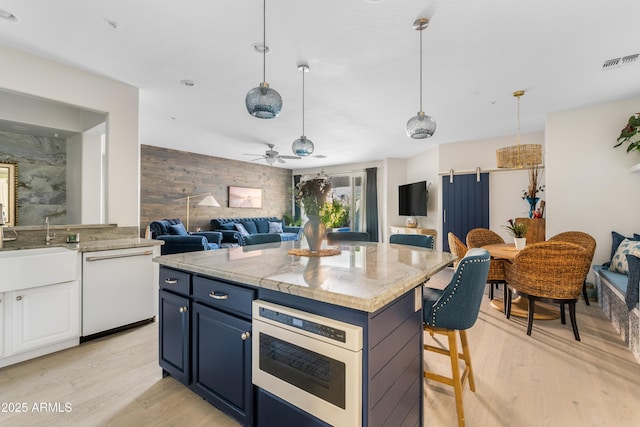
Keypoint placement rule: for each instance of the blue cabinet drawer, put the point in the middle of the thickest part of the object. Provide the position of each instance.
(225, 296)
(175, 281)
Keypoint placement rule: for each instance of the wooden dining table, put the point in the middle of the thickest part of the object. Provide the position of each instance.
(519, 306)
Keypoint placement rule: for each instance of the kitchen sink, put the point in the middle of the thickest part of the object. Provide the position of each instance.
(28, 268)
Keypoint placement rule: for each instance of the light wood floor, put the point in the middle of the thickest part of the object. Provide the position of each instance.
(547, 379)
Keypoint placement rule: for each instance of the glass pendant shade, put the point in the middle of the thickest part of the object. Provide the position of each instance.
(263, 102)
(421, 126)
(302, 147)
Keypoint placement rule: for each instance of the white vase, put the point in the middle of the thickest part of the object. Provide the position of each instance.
(520, 242)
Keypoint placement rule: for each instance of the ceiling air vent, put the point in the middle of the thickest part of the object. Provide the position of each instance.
(611, 63)
(616, 62)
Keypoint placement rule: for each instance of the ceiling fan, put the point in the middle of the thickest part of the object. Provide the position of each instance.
(271, 156)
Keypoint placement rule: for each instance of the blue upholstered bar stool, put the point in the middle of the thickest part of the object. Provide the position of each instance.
(347, 236)
(420, 240)
(455, 308)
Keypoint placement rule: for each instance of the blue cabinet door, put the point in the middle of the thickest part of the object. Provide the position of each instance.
(221, 361)
(174, 336)
(465, 205)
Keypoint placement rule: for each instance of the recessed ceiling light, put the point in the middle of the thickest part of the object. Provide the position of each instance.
(260, 48)
(188, 83)
(5, 14)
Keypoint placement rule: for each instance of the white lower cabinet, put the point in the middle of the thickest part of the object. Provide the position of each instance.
(1, 324)
(45, 315)
(40, 320)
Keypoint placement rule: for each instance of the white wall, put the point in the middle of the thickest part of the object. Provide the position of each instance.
(589, 186)
(505, 187)
(35, 76)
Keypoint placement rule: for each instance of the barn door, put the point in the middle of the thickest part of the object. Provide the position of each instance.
(465, 204)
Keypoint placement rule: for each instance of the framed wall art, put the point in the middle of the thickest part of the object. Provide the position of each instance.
(245, 197)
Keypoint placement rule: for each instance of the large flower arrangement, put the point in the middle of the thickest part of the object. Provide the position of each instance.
(631, 133)
(534, 188)
(312, 194)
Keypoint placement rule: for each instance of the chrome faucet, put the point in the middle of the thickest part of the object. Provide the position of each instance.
(48, 237)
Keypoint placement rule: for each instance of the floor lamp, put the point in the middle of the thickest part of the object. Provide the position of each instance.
(208, 200)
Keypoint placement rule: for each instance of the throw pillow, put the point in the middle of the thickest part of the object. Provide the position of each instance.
(275, 227)
(633, 285)
(243, 231)
(262, 225)
(228, 226)
(616, 239)
(177, 229)
(250, 226)
(619, 262)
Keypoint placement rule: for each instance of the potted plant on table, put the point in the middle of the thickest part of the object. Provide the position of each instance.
(518, 231)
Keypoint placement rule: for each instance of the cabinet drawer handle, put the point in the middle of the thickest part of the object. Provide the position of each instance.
(245, 336)
(170, 281)
(184, 309)
(18, 298)
(213, 295)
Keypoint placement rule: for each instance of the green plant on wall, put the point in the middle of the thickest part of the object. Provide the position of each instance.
(631, 133)
(334, 214)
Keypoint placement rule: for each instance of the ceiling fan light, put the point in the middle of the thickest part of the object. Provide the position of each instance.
(263, 102)
(302, 147)
(421, 126)
(271, 160)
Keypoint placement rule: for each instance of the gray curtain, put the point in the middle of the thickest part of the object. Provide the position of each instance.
(296, 207)
(371, 201)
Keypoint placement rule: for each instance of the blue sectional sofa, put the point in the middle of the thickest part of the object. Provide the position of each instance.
(178, 240)
(233, 229)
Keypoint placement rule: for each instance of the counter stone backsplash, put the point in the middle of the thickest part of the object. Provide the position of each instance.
(34, 236)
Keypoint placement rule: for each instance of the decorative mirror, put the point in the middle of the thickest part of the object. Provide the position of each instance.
(9, 192)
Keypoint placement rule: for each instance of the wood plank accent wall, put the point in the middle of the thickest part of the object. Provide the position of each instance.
(166, 175)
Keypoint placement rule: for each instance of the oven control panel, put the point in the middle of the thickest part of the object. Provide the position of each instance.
(313, 325)
(305, 325)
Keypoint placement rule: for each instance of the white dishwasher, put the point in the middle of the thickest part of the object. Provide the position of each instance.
(118, 289)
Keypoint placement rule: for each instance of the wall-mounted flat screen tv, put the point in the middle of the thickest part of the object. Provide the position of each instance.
(412, 199)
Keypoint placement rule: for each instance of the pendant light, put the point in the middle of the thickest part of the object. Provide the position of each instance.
(262, 101)
(519, 156)
(302, 146)
(421, 126)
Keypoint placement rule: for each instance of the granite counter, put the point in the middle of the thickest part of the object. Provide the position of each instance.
(364, 276)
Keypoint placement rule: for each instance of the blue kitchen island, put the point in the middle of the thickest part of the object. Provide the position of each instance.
(274, 339)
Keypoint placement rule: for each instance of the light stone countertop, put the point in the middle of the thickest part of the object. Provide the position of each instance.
(97, 245)
(365, 276)
(105, 245)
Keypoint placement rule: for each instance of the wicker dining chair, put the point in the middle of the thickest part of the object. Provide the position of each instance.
(583, 240)
(478, 237)
(551, 271)
(456, 247)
